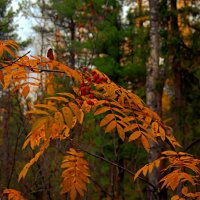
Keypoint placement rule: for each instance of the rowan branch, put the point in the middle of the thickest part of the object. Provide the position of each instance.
(15, 60)
(114, 164)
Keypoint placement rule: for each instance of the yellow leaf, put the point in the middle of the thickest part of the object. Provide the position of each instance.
(145, 170)
(162, 133)
(119, 111)
(111, 126)
(135, 135)
(59, 121)
(101, 110)
(151, 165)
(117, 104)
(48, 127)
(24, 171)
(107, 119)
(37, 112)
(68, 116)
(66, 132)
(176, 197)
(137, 173)
(73, 193)
(154, 127)
(184, 190)
(145, 143)
(76, 111)
(75, 174)
(38, 123)
(49, 107)
(128, 119)
(67, 94)
(148, 120)
(169, 153)
(157, 162)
(58, 99)
(131, 127)
(82, 116)
(121, 132)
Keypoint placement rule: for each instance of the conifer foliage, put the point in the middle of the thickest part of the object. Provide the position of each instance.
(120, 111)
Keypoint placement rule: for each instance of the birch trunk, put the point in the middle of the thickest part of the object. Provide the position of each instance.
(153, 98)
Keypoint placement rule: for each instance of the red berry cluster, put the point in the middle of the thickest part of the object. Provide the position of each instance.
(85, 89)
(85, 86)
(97, 79)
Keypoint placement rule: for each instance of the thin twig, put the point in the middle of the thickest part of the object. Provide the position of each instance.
(192, 144)
(15, 60)
(54, 71)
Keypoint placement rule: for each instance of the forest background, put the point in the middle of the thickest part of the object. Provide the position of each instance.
(152, 49)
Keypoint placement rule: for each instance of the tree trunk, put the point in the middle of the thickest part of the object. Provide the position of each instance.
(177, 79)
(153, 99)
(72, 27)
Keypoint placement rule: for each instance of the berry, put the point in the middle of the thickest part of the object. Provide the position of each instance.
(105, 78)
(88, 88)
(102, 78)
(85, 69)
(89, 79)
(89, 102)
(83, 92)
(96, 76)
(93, 72)
(91, 96)
(82, 84)
(83, 88)
(98, 81)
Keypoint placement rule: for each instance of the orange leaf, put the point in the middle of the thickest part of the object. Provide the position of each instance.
(137, 173)
(107, 119)
(111, 126)
(131, 127)
(176, 197)
(1, 77)
(37, 112)
(59, 121)
(169, 153)
(68, 116)
(121, 132)
(76, 111)
(154, 127)
(101, 110)
(67, 94)
(51, 108)
(135, 135)
(145, 170)
(151, 165)
(145, 143)
(162, 133)
(13, 194)
(25, 91)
